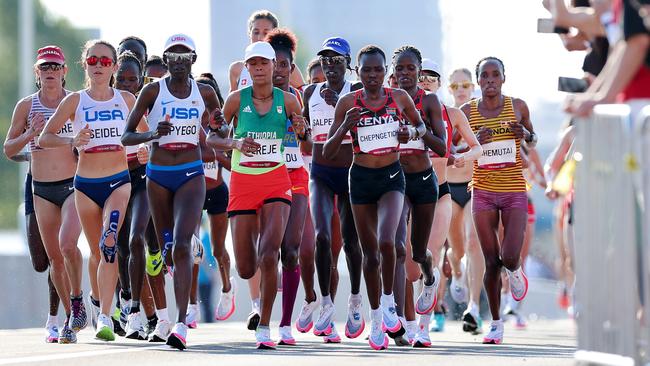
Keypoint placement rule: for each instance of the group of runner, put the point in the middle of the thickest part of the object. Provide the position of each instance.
(386, 173)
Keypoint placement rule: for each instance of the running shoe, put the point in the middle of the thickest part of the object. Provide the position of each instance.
(134, 328)
(377, 339)
(125, 309)
(411, 328)
(117, 326)
(78, 315)
(472, 322)
(193, 315)
(332, 337)
(104, 330)
(495, 336)
(518, 284)
(161, 333)
(391, 324)
(355, 324)
(263, 338)
(177, 337)
(286, 338)
(226, 306)
(439, 320)
(305, 318)
(94, 311)
(422, 339)
(563, 299)
(51, 333)
(197, 249)
(458, 287)
(253, 320)
(67, 335)
(520, 322)
(323, 326)
(428, 297)
(150, 326)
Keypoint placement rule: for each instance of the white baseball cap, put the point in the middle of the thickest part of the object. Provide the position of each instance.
(430, 65)
(180, 39)
(259, 49)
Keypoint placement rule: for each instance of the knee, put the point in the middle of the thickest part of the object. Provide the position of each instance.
(136, 245)
(182, 249)
(371, 260)
(400, 254)
(56, 263)
(492, 264)
(421, 257)
(323, 240)
(40, 266)
(68, 248)
(268, 260)
(290, 258)
(246, 271)
(387, 246)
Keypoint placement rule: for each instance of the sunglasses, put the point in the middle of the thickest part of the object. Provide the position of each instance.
(465, 85)
(104, 61)
(332, 60)
(50, 67)
(179, 57)
(428, 78)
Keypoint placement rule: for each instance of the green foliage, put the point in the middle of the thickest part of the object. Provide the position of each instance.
(49, 30)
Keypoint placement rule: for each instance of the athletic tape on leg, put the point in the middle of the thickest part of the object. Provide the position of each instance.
(109, 252)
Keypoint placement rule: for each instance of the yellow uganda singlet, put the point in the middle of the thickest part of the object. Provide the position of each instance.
(499, 167)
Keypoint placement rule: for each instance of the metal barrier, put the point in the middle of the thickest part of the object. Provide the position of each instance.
(612, 249)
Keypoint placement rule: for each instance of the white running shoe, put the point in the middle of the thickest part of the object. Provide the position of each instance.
(458, 288)
(495, 336)
(305, 318)
(197, 249)
(226, 305)
(323, 326)
(94, 311)
(193, 315)
(391, 323)
(134, 328)
(332, 337)
(178, 336)
(51, 332)
(161, 333)
(429, 295)
(377, 339)
(286, 338)
(263, 338)
(518, 284)
(355, 324)
(104, 329)
(411, 330)
(421, 339)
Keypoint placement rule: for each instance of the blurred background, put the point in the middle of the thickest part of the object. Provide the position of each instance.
(453, 33)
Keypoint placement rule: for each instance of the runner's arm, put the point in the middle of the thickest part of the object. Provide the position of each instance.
(19, 135)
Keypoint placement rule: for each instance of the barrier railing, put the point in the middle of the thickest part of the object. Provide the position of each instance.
(612, 250)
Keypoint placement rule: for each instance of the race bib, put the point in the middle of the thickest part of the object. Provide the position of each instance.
(378, 139)
(498, 154)
(321, 121)
(269, 155)
(211, 170)
(293, 157)
(412, 147)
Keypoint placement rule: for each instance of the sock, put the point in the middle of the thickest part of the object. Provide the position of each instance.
(125, 295)
(387, 300)
(52, 319)
(514, 304)
(327, 300)
(255, 304)
(375, 315)
(76, 298)
(290, 282)
(473, 308)
(411, 324)
(135, 307)
(354, 299)
(163, 314)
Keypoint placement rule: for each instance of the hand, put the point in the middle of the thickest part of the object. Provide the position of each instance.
(403, 134)
(164, 128)
(484, 135)
(517, 129)
(330, 96)
(352, 116)
(551, 193)
(459, 160)
(451, 159)
(247, 146)
(298, 125)
(217, 121)
(143, 154)
(82, 138)
(37, 124)
(581, 106)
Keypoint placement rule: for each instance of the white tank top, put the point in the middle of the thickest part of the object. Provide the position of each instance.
(321, 115)
(38, 107)
(185, 117)
(211, 170)
(244, 78)
(105, 119)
